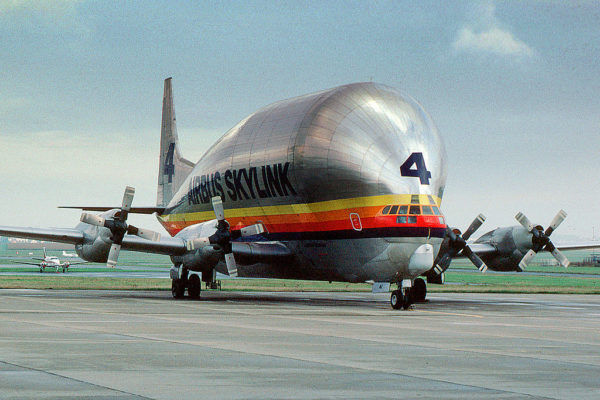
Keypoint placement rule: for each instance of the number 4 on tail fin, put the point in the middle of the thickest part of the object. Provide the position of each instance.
(420, 172)
(169, 167)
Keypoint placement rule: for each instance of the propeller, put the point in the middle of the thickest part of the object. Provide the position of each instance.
(541, 239)
(458, 243)
(118, 227)
(222, 238)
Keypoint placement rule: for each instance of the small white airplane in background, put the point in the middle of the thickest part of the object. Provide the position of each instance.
(65, 254)
(52, 262)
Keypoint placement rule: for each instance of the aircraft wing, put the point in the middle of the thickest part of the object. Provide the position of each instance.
(72, 236)
(260, 252)
(486, 248)
(578, 246)
(481, 248)
(27, 263)
(171, 246)
(166, 245)
(244, 252)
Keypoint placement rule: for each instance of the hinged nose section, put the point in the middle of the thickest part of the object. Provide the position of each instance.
(421, 260)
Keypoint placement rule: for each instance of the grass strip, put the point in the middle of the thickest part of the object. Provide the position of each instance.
(456, 282)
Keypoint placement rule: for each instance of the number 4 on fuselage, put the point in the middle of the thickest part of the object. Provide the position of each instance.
(420, 172)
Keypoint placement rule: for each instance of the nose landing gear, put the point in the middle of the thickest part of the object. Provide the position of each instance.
(408, 293)
(400, 299)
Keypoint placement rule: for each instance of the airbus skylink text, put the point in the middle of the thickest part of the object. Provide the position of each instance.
(241, 184)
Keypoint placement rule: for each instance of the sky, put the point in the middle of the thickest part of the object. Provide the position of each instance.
(513, 88)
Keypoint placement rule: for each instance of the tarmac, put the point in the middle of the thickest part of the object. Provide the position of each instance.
(247, 345)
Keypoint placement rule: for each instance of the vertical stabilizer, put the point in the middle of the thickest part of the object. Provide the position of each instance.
(172, 167)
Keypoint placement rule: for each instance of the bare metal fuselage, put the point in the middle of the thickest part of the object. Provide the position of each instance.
(318, 171)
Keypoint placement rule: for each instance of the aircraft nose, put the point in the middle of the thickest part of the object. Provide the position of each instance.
(370, 139)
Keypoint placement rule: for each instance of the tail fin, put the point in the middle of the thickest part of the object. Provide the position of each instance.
(44, 252)
(172, 167)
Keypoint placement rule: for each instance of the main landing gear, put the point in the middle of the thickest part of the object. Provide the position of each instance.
(408, 293)
(181, 279)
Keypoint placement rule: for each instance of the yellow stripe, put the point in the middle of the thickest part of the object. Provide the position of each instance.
(306, 208)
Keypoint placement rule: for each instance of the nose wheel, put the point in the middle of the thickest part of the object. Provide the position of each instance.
(403, 297)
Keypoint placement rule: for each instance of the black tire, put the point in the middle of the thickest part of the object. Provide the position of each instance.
(407, 300)
(396, 299)
(194, 286)
(177, 288)
(419, 290)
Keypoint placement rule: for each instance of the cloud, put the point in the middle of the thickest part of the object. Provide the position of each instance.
(487, 35)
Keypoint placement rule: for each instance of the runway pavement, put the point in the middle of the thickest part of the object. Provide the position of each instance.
(236, 345)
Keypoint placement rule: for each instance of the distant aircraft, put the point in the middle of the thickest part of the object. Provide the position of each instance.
(51, 262)
(341, 185)
(65, 254)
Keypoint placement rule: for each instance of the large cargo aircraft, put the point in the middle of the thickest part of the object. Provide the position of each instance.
(341, 185)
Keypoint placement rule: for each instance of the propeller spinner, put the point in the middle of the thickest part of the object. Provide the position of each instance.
(458, 243)
(541, 239)
(119, 227)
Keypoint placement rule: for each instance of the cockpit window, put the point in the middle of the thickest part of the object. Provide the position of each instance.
(427, 210)
(394, 209)
(386, 210)
(431, 201)
(415, 210)
(401, 219)
(436, 210)
(412, 219)
(403, 210)
(414, 199)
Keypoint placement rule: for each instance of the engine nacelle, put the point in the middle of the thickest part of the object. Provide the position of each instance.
(96, 245)
(205, 256)
(512, 243)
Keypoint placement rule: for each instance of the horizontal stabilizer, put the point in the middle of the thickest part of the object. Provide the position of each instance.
(133, 210)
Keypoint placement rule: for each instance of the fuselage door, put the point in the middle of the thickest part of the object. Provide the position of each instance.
(356, 223)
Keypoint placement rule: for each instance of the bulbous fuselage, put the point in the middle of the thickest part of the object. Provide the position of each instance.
(319, 172)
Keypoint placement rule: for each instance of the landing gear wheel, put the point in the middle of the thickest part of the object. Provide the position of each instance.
(177, 288)
(407, 299)
(194, 286)
(419, 290)
(396, 299)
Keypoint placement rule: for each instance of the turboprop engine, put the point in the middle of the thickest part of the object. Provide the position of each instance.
(517, 245)
(104, 233)
(506, 249)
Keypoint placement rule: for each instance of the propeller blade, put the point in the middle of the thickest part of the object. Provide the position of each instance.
(217, 204)
(523, 220)
(231, 265)
(558, 219)
(197, 243)
(560, 257)
(143, 233)
(443, 264)
(113, 255)
(252, 230)
(525, 260)
(477, 222)
(92, 219)
(127, 198)
(478, 262)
